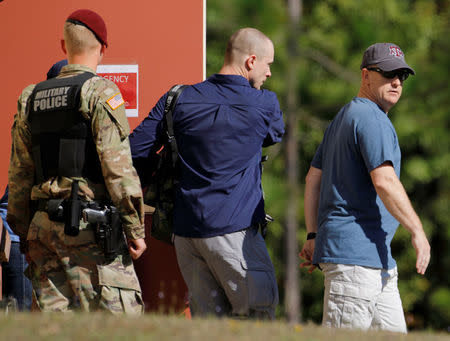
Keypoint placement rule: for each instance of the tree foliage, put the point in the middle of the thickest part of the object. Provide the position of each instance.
(333, 37)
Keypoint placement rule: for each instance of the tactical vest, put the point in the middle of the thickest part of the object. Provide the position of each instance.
(61, 137)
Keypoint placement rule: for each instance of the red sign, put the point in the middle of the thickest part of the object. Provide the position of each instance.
(126, 78)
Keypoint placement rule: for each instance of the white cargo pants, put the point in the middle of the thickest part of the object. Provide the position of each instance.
(360, 297)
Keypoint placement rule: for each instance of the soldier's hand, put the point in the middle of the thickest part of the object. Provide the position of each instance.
(136, 247)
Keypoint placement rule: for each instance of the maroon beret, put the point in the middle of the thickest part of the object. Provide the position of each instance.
(92, 21)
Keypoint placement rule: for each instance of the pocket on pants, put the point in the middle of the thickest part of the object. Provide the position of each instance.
(344, 309)
(261, 285)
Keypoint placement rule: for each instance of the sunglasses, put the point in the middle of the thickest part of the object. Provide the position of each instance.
(401, 74)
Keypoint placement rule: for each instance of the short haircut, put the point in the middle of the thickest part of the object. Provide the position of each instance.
(79, 39)
(246, 41)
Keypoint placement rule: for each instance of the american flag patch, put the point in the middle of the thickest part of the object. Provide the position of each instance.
(115, 101)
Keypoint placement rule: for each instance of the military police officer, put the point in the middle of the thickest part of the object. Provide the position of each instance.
(70, 154)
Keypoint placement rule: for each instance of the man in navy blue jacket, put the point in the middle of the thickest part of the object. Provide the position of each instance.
(221, 125)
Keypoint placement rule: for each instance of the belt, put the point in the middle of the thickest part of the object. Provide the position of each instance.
(45, 204)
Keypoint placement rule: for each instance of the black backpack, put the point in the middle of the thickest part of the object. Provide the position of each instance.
(162, 174)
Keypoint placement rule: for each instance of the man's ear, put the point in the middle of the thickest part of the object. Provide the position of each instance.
(101, 54)
(63, 46)
(250, 62)
(365, 74)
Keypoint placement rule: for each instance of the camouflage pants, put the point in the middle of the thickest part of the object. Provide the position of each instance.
(69, 273)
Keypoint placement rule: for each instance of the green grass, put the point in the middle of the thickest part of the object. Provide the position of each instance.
(96, 326)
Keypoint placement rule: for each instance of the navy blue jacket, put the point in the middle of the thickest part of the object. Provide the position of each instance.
(220, 125)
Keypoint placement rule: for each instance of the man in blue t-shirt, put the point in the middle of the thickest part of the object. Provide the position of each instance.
(354, 201)
(220, 126)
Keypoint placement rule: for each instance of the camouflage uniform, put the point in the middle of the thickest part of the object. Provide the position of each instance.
(71, 272)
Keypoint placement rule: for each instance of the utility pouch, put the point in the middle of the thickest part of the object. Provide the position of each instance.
(116, 239)
(72, 211)
(55, 209)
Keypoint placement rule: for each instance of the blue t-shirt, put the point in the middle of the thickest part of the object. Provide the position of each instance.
(220, 125)
(354, 226)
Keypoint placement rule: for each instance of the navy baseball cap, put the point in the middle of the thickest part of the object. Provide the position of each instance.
(92, 21)
(386, 56)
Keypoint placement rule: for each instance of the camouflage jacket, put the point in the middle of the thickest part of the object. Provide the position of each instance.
(110, 131)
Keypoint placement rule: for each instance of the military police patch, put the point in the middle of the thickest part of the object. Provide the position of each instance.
(115, 101)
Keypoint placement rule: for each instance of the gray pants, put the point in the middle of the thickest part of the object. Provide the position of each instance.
(229, 275)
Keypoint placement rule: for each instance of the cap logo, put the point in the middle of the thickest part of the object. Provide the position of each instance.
(395, 51)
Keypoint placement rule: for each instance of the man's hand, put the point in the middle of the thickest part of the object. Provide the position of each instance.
(136, 247)
(307, 254)
(422, 247)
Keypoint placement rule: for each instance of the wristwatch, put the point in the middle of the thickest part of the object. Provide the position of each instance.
(311, 235)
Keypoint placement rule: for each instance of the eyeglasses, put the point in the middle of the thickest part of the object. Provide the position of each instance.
(402, 74)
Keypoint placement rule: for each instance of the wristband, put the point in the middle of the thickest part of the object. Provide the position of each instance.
(311, 235)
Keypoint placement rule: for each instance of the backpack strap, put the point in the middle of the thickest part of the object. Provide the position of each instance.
(171, 101)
